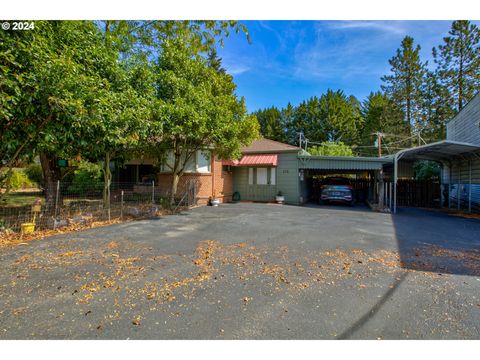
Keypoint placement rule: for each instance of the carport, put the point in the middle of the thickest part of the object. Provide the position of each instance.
(451, 155)
(367, 173)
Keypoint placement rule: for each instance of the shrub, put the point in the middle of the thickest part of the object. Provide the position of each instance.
(87, 179)
(35, 174)
(19, 180)
(426, 170)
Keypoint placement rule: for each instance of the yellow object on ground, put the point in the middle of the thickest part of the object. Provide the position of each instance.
(28, 228)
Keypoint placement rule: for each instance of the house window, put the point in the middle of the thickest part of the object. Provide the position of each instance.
(197, 163)
(272, 176)
(262, 176)
(250, 176)
(190, 165)
(203, 161)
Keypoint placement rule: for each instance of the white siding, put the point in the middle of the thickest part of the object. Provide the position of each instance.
(465, 127)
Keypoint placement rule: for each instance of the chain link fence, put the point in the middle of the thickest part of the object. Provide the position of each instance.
(77, 204)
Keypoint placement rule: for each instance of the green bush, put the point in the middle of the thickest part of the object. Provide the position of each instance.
(19, 180)
(87, 179)
(426, 170)
(35, 174)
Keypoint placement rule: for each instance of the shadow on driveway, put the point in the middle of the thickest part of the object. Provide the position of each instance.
(375, 308)
(436, 242)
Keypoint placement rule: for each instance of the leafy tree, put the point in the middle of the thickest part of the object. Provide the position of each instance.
(330, 148)
(196, 109)
(271, 124)
(426, 170)
(307, 119)
(405, 82)
(458, 61)
(72, 96)
(341, 117)
(381, 114)
(332, 117)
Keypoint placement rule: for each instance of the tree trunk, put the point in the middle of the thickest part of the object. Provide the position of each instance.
(51, 175)
(174, 187)
(107, 180)
(177, 171)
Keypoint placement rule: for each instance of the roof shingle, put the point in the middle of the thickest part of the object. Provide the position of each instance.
(267, 146)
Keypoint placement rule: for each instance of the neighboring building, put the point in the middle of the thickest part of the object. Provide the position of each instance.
(464, 174)
(459, 156)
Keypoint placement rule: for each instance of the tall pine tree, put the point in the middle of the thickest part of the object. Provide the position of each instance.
(458, 61)
(403, 86)
(381, 114)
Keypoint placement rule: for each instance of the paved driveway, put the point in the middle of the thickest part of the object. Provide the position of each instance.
(250, 271)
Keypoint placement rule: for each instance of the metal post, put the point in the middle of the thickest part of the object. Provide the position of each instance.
(395, 170)
(390, 196)
(469, 185)
(56, 204)
(449, 183)
(153, 192)
(121, 206)
(458, 196)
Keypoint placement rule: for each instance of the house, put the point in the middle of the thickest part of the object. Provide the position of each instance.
(254, 177)
(266, 168)
(205, 177)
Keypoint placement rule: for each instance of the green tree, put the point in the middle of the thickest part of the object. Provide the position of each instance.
(57, 67)
(382, 115)
(341, 117)
(329, 148)
(404, 84)
(287, 118)
(196, 110)
(214, 61)
(435, 108)
(458, 61)
(271, 124)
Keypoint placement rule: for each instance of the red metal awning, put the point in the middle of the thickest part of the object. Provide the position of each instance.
(254, 160)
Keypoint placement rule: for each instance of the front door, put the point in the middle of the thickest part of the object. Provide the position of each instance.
(261, 184)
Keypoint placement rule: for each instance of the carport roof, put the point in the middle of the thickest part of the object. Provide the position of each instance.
(349, 163)
(441, 150)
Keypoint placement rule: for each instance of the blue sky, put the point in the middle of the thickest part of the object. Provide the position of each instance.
(290, 61)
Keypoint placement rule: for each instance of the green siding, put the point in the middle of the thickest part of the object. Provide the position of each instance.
(287, 177)
(252, 192)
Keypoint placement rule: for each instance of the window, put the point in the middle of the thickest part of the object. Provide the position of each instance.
(190, 165)
(250, 176)
(262, 176)
(272, 176)
(199, 162)
(203, 161)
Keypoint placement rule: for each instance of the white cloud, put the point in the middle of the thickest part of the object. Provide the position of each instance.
(236, 69)
(394, 27)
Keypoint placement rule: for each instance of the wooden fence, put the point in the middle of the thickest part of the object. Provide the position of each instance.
(418, 193)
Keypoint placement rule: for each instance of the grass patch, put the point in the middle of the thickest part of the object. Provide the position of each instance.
(19, 199)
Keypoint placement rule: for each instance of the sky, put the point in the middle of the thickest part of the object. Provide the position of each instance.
(291, 61)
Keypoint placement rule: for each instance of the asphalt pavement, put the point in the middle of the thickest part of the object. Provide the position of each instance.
(250, 271)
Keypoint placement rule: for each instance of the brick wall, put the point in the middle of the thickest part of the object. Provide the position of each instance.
(217, 183)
